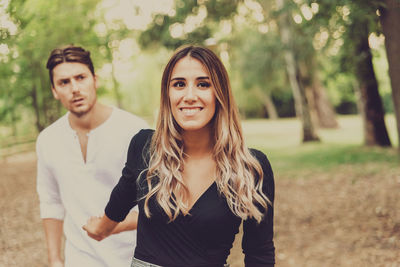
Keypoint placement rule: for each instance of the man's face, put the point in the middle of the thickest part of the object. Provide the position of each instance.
(75, 86)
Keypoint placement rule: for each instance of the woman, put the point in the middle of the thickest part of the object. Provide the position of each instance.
(193, 177)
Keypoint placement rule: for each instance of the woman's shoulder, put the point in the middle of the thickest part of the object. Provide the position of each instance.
(140, 142)
(259, 155)
(264, 162)
(143, 136)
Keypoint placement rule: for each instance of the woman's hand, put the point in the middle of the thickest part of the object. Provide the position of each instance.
(99, 228)
(92, 228)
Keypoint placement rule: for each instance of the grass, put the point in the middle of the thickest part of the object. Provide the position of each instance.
(281, 141)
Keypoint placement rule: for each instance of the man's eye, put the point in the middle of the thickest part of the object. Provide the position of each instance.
(179, 84)
(204, 84)
(64, 82)
(80, 77)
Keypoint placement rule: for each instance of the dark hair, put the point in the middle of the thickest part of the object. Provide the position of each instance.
(68, 54)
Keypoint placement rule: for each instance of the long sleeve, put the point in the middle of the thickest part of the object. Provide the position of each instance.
(124, 195)
(258, 245)
(47, 186)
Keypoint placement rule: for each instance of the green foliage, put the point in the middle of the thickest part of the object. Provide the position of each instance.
(259, 59)
(255, 62)
(158, 32)
(339, 18)
(42, 26)
(142, 93)
(284, 103)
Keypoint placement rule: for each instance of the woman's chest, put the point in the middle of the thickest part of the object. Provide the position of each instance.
(210, 220)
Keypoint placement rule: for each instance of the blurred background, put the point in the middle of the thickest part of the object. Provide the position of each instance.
(317, 83)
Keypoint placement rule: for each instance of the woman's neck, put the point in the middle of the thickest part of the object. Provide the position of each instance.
(198, 143)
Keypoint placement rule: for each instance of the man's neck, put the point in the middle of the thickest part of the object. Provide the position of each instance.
(90, 120)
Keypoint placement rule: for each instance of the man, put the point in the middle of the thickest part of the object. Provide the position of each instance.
(80, 158)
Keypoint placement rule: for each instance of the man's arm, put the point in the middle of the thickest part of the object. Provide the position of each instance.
(53, 229)
(51, 207)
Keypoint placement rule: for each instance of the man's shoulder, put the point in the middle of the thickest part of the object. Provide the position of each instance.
(54, 130)
(127, 119)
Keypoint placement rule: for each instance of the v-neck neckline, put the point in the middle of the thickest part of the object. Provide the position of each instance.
(202, 196)
(84, 160)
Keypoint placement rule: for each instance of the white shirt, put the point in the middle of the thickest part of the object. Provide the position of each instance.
(73, 190)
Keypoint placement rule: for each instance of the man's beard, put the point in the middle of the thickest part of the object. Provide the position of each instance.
(81, 113)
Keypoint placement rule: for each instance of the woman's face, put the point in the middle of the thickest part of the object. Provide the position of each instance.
(191, 95)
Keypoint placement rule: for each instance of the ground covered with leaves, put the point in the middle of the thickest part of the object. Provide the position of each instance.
(349, 216)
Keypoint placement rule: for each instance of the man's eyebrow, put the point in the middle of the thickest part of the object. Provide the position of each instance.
(62, 79)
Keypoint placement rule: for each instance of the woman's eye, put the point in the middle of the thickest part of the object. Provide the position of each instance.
(179, 84)
(204, 84)
(80, 77)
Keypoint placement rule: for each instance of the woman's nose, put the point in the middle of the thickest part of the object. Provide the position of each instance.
(190, 93)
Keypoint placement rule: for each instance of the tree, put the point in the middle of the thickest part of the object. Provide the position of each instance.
(322, 111)
(358, 19)
(256, 58)
(390, 21)
(42, 26)
(372, 108)
(299, 93)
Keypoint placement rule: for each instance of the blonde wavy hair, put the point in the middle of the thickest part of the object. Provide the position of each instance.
(236, 168)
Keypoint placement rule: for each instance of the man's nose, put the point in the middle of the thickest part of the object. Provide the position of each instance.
(75, 86)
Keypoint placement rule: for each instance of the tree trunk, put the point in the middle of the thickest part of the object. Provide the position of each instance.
(117, 92)
(375, 128)
(323, 107)
(268, 103)
(110, 57)
(299, 94)
(390, 20)
(35, 103)
(49, 106)
(13, 122)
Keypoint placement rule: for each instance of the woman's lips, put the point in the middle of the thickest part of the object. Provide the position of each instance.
(190, 111)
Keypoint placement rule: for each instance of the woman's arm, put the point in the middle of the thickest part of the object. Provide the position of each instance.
(257, 243)
(130, 223)
(123, 197)
(99, 228)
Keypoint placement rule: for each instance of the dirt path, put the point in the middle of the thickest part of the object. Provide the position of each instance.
(345, 218)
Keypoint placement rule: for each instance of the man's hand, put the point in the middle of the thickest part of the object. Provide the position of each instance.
(92, 226)
(99, 228)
